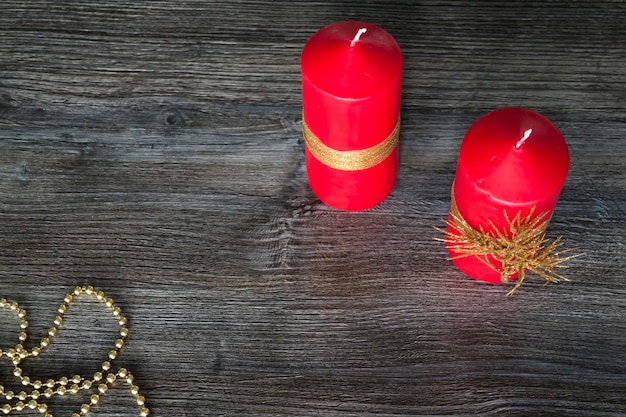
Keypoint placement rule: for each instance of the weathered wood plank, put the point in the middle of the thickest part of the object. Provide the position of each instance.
(153, 150)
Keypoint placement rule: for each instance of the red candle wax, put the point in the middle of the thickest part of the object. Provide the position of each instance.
(512, 160)
(351, 82)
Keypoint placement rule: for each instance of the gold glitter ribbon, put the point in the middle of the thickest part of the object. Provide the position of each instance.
(39, 392)
(520, 247)
(350, 160)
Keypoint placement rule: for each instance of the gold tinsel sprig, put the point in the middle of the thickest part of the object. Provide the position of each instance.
(520, 247)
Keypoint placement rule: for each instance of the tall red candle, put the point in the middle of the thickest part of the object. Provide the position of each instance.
(512, 161)
(351, 82)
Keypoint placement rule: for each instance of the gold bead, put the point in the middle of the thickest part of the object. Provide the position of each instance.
(89, 290)
(32, 404)
(103, 388)
(48, 393)
(1, 389)
(122, 372)
(23, 324)
(61, 390)
(78, 290)
(111, 378)
(25, 380)
(123, 332)
(17, 371)
(52, 331)
(134, 389)
(58, 320)
(141, 400)
(122, 321)
(44, 342)
(100, 295)
(35, 394)
(23, 336)
(106, 365)
(97, 376)
(37, 384)
(63, 380)
(87, 384)
(42, 408)
(109, 302)
(76, 379)
(119, 343)
(14, 306)
(3, 302)
(22, 396)
(130, 378)
(84, 409)
(21, 313)
(19, 406)
(6, 409)
(9, 395)
(144, 412)
(36, 351)
(94, 399)
(68, 298)
(112, 354)
(51, 383)
(74, 388)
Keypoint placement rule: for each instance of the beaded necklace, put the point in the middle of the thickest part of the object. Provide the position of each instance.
(40, 391)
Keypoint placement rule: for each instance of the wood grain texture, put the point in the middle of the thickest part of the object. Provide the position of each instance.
(152, 149)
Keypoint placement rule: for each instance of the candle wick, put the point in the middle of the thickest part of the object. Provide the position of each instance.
(520, 142)
(358, 36)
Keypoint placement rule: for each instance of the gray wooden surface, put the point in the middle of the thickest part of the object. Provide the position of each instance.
(152, 149)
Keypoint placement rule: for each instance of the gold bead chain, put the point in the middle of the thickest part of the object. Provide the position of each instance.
(98, 384)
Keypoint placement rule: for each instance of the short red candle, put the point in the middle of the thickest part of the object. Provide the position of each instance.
(351, 82)
(511, 160)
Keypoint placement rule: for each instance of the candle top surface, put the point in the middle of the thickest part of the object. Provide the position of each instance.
(352, 59)
(514, 155)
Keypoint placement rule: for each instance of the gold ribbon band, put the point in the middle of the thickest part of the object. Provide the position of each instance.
(350, 160)
(520, 247)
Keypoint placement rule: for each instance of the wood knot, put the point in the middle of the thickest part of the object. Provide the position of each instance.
(23, 173)
(175, 117)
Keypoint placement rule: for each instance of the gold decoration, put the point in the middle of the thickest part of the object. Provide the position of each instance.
(350, 160)
(520, 247)
(98, 384)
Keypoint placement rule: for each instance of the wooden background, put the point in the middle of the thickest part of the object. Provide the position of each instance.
(153, 149)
